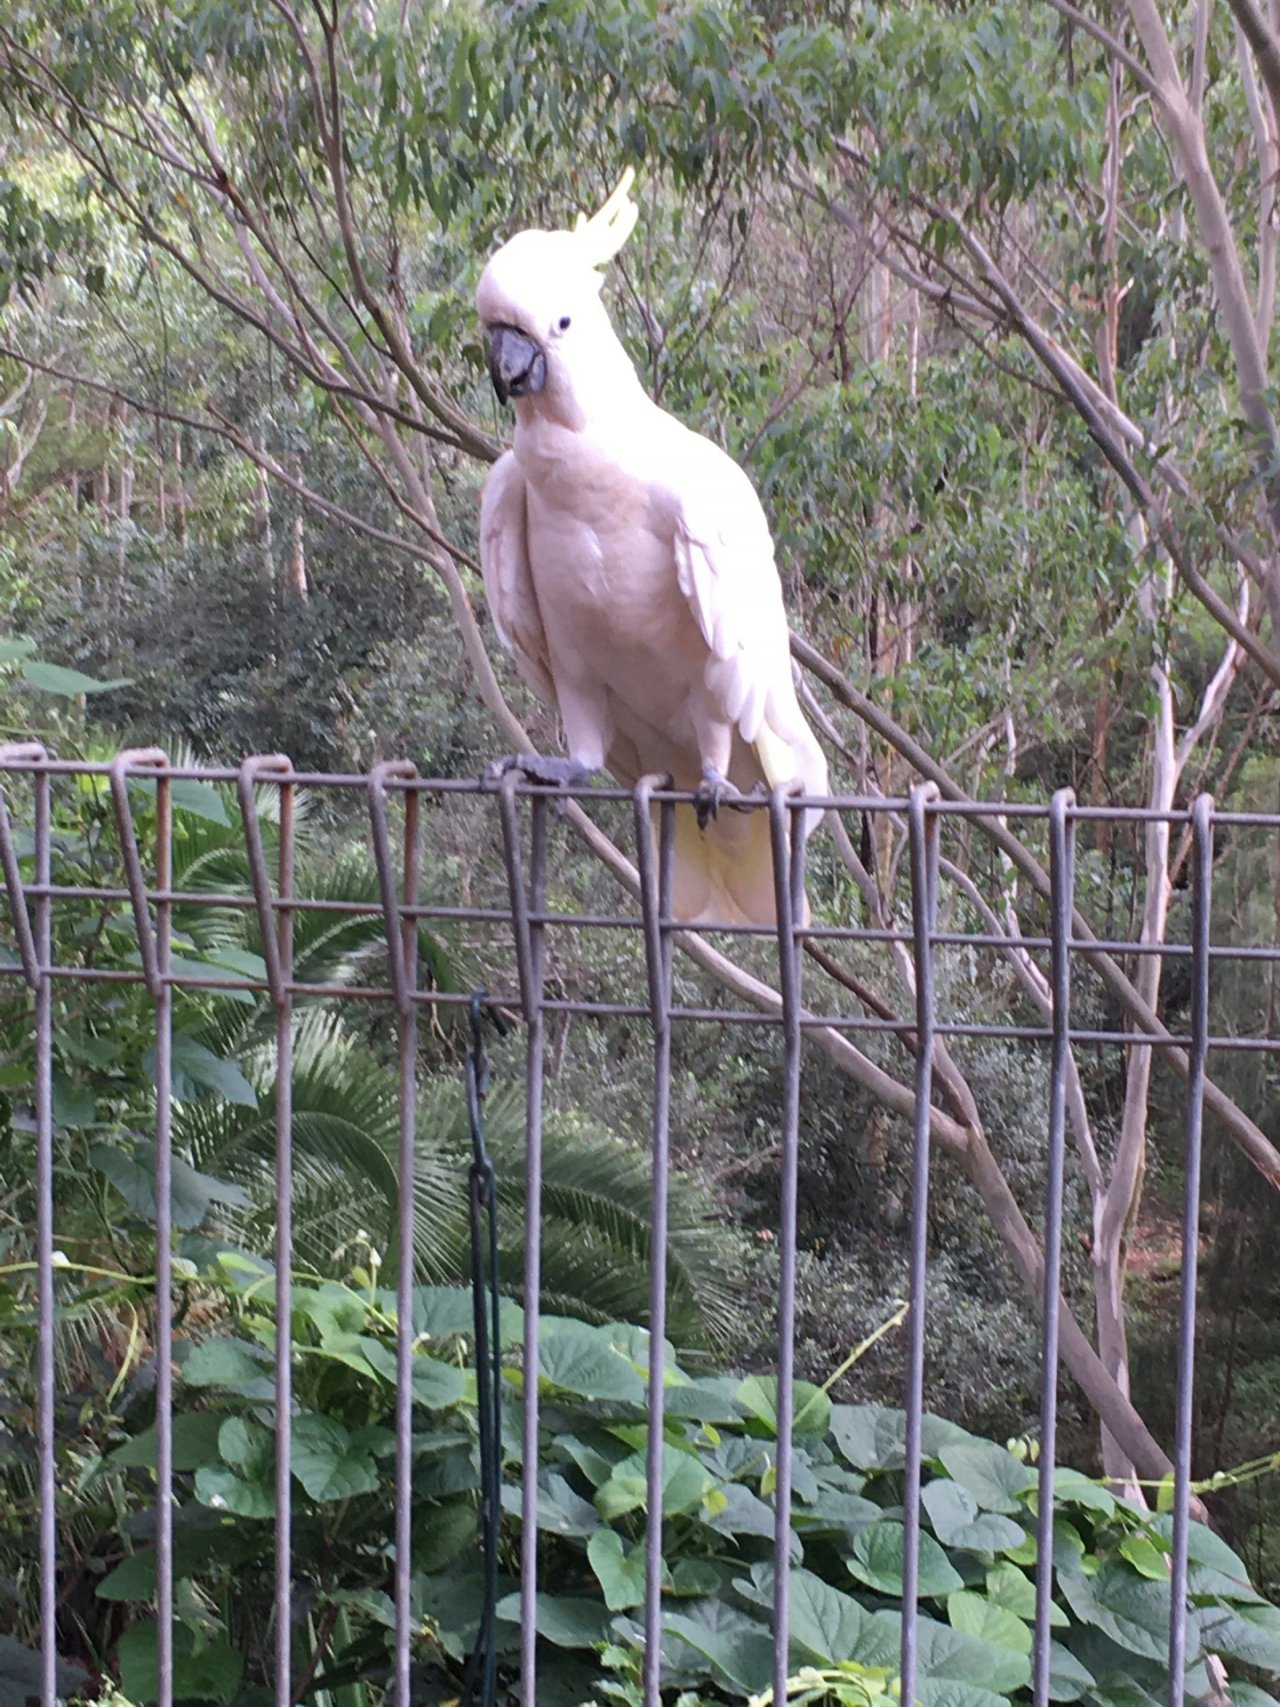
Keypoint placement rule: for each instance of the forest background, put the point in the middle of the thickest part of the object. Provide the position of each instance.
(982, 297)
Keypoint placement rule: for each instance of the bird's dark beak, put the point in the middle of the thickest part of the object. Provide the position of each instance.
(517, 366)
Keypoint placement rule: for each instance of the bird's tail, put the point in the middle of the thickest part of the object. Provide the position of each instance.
(723, 875)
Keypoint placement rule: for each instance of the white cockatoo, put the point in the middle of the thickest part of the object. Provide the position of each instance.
(629, 567)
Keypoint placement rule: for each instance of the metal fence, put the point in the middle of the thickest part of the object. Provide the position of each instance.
(400, 832)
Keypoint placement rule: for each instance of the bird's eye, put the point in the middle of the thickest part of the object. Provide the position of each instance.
(565, 322)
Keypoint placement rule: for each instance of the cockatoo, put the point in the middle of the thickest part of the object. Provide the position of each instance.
(629, 567)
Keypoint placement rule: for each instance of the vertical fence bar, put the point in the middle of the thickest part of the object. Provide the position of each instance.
(1061, 890)
(35, 954)
(655, 906)
(45, 1373)
(1201, 913)
(275, 928)
(530, 962)
(402, 952)
(154, 947)
(922, 826)
(164, 1245)
(788, 884)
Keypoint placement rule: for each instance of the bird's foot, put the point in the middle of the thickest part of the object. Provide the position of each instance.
(714, 791)
(556, 773)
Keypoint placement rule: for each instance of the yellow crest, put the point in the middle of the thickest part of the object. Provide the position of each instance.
(605, 232)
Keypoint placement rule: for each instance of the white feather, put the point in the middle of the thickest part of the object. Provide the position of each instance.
(629, 566)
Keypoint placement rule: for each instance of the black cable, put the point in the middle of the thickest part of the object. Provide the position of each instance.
(482, 1190)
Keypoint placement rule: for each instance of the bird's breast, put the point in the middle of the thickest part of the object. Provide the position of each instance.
(600, 558)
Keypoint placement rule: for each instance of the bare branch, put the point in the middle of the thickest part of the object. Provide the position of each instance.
(1245, 1133)
(1264, 42)
(1114, 46)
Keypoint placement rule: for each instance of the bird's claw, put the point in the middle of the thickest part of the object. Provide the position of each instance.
(556, 773)
(715, 791)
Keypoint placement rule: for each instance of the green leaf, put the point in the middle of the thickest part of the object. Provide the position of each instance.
(949, 1692)
(684, 1483)
(563, 1621)
(435, 1385)
(835, 1512)
(53, 678)
(446, 1312)
(583, 1360)
(223, 1489)
(247, 1445)
(619, 1570)
(811, 1408)
(236, 1365)
(879, 1558)
(1213, 1569)
(1145, 1557)
(453, 1602)
(20, 1672)
(1248, 1633)
(957, 1521)
(696, 1577)
(592, 1457)
(134, 1578)
(225, 958)
(874, 1437)
(440, 1535)
(198, 798)
(333, 1462)
(560, 1509)
(210, 1673)
(1069, 1677)
(12, 648)
(1071, 1488)
(333, 1309)
(995, 1478)
(978, 1616)
(741, 1513)
(195, 1442)
(203, 1067)
(1011, 1588)
(192, 1193)
(738, 1646)
(958, 1657)
(1132, 1610)
(73, 1104)
(828, 1625)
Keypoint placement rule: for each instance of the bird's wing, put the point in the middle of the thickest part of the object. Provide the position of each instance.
(508, 583)
(726, 570)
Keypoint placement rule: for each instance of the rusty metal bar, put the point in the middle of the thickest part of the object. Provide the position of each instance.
(530, 958)
(788, 884)
(138, 761)
(14, 888)
(275, 929)
(1243, 952)
(39, 908)
(251, 772)
(46, 1474)
(154, 946)
(923, 828)
(1202, 817)
(402, 951)
(655, 900)
(1062, 886)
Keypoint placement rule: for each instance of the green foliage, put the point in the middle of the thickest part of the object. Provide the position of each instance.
(1110, 1609)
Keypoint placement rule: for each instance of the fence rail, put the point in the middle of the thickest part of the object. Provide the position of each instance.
(521, 935)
